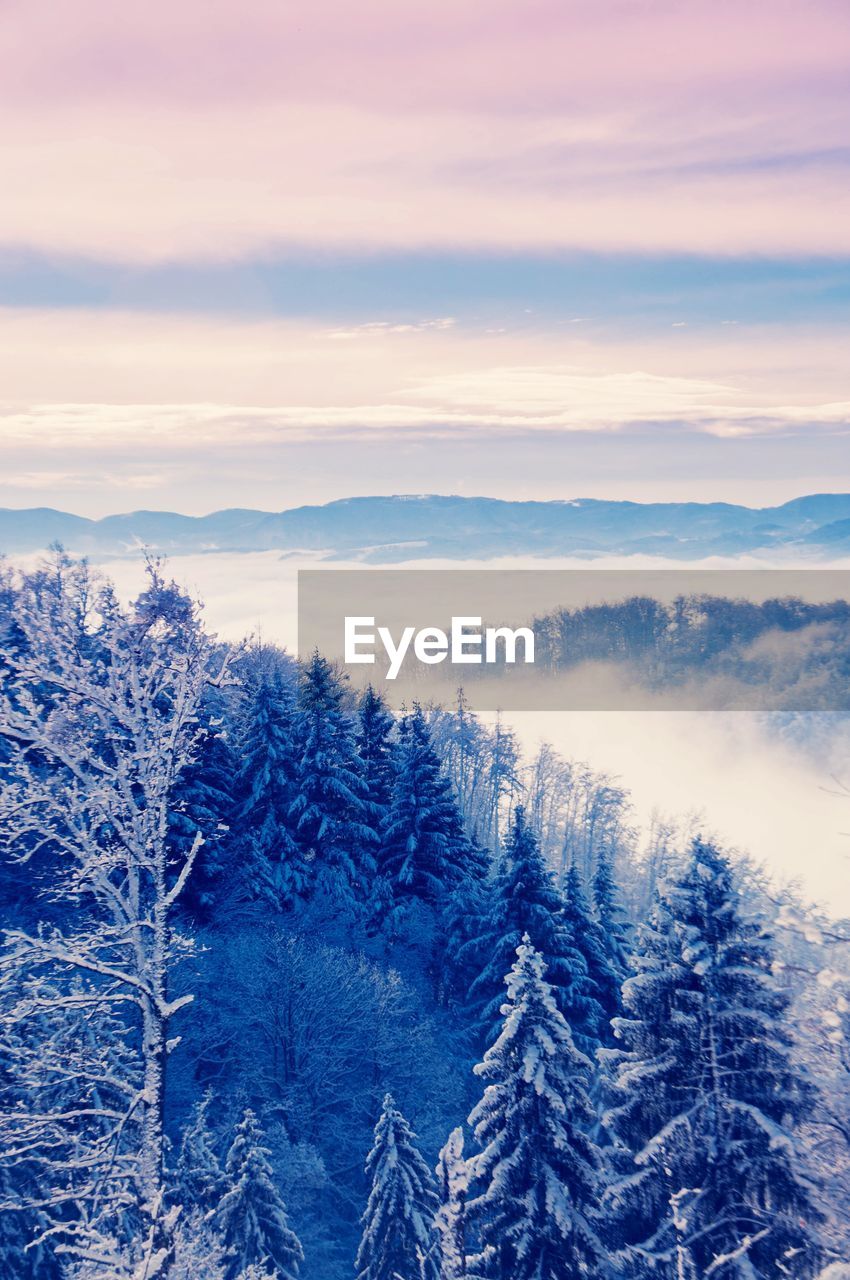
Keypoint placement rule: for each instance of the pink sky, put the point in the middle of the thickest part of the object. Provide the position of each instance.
(145, 142)
(152, 131)
(501, 55)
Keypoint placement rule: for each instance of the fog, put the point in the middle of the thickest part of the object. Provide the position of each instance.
(776, 800)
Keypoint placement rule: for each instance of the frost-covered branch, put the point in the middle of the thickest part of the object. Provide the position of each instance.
(99, 714)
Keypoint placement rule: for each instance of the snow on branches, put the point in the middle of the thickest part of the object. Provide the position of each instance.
(98, 720)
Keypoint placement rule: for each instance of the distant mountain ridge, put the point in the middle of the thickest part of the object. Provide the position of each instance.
(392, 529)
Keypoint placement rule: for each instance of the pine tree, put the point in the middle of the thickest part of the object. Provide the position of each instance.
(706, 1096)
(536, 1177)
(645, 1081)
(524, 901)
(450, 1222)
(398, 1236)
(330, 810)
(376, 751)
(425, 852)
(584, 1010)
(204, 800)
(273, 864)
(616, 935)
(199, 1178)
(251, 1217)
(460, 957)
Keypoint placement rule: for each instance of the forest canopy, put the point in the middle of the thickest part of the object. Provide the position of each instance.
(295, 986)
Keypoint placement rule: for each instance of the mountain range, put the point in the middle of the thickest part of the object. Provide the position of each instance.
(393, 529)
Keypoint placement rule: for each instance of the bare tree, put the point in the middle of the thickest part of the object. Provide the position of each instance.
(99, 717)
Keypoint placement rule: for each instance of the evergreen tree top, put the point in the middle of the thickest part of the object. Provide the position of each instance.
(321, 690)
(526, 880)
(706, 1093)
(425, 850)
(450, 1221)
(398, 1224)
(537, 1172)
(394, 1149)
(200, 1178)
(252, 1216)
(534, 1028)
(377, 750)
(525, 902)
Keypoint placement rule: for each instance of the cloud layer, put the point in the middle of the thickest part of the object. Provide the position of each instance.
(157, 132)
(167, 163)
(98, 377)
(109, 410)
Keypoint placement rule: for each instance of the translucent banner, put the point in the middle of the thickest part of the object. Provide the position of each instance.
(587, 639)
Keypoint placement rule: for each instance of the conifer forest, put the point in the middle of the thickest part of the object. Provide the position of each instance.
(297, 987)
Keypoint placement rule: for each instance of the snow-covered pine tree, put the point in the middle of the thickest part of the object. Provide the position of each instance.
(251, 1216)
(450, 1222)
(376, 750)
(643, 1080)
(706, 1097)
(425, 853)
(398, 1225)
(198, 1175)
(272, 863)
(585, 1011)
(204, 802)
(100, 708)
(330, 810)
(524, 900)
(460, 956)
(616, 934)
(535, 1180)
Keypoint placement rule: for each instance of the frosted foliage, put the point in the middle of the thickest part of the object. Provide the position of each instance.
(535, 1177)
(251, 1216)
(398, 1235)
(450, 1222)
(99, 711)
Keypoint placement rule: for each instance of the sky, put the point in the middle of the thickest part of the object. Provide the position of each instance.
(265, 253)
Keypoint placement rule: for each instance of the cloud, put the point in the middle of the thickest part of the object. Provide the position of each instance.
(558, 400)
(144, 185)
(384, 326)
(108, 381)
(202, 412)
(756, 793)
(163, 132)
(71, 480)
(493, 54)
